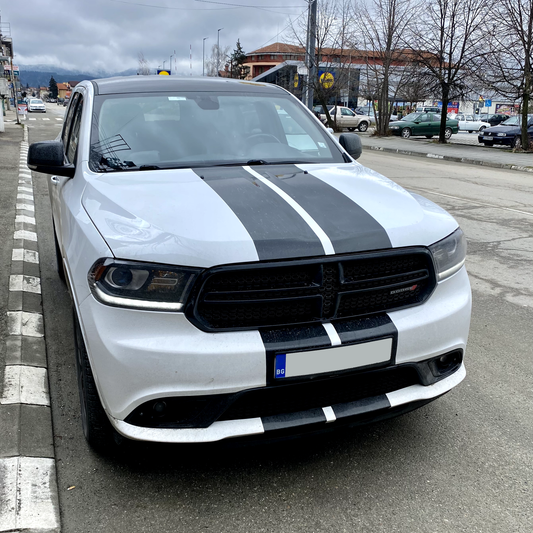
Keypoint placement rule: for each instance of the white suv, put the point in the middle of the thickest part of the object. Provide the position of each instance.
(235, 272)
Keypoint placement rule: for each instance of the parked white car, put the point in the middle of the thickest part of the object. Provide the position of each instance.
(234, 272)
(470, 123)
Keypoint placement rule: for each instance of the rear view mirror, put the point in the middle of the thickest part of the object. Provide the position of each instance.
(48, 157)
(351, 142)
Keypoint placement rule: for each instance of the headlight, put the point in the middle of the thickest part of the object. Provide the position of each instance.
(395, 127)
(502, 134)
(449, 254)
(141, 285)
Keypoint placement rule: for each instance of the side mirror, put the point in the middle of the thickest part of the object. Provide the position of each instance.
(351, 142)
(48, 157)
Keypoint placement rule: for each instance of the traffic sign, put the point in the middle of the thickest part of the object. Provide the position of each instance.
(163, 72)
(488, 103)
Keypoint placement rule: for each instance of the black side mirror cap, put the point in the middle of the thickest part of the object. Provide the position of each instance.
(48, 157)
(351, 142)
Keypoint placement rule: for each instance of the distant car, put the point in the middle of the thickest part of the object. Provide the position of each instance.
(369, 110)
(426, 124)
(59, 101)
(346, 118)
(52, 100)
(428, 109)
(493, 119)
(66, 101)
(507, 133)
(36, 105)
(471, 123)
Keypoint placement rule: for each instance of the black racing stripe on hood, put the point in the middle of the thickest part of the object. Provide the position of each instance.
(349, 227)
(277, 230)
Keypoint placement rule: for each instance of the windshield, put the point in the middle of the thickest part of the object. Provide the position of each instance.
(160, 130)
(513, 121)
(35, 101)
(411, 117)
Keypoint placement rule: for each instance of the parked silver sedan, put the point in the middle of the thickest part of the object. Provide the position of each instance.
(471, 123)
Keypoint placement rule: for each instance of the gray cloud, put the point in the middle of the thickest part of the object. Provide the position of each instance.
(107, 35)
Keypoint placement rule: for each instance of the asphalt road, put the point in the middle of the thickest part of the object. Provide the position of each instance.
(461, 464)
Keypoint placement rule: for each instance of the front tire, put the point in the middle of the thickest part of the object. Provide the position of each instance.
(482, 128)
(406, 133)
(517, 143)
(448, 133)
(96, 427)
(363, 126)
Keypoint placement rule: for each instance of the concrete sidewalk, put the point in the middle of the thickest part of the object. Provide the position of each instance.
(455, 150)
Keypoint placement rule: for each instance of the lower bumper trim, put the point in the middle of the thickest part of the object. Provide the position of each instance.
(226, 429)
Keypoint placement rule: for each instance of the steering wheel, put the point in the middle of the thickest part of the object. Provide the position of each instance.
(257, 138)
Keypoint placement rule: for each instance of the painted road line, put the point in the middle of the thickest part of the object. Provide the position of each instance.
(29, 498)
(23, 283)
(28, 256)
(27, 207)
(23, 323)
(25, 235)
(25, 384)
(24, 219)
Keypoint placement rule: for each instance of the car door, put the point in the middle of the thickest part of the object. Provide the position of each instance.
(350, 118)
(421, 126)
(56, 184)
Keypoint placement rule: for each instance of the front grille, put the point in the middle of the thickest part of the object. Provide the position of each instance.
(279, 294)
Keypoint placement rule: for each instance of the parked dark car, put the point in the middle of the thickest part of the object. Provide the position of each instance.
(507, 133)
(493, 118)
(426, 124)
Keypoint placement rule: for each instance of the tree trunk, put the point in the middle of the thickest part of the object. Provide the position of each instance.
(525, 108)
(443, 117)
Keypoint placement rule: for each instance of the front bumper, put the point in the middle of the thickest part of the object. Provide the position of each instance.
(138, 357)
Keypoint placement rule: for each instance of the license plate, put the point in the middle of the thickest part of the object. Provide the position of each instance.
(289, 365)
(486, 138)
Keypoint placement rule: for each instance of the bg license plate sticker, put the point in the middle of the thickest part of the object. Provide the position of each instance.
(288, 365)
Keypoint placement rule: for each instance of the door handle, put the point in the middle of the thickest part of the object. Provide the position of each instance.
(55, 180)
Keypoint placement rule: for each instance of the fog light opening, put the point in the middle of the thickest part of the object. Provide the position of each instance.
(159, 408)
(446, 363)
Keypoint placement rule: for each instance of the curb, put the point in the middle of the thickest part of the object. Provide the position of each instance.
(450, 158)
(27, 462)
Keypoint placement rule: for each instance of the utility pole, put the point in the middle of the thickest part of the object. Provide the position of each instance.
(310, 54)
(203, 56)
(218, 52)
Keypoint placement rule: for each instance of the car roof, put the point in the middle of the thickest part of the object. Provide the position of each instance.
(148, 84)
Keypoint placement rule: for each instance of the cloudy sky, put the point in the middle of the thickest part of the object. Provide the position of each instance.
(108, 35)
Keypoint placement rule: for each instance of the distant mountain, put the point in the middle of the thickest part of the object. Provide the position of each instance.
(39, 75)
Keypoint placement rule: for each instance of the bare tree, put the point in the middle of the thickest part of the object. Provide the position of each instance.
(334, 73)
(218, 59)
(508, 65)
(381, 27)
(448, 42)
(143, 68)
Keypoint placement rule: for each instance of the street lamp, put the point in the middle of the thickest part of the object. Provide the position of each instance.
(203, 56)
(218, 51)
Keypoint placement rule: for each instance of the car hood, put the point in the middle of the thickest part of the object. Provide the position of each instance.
(502, 129)
(221, 215)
